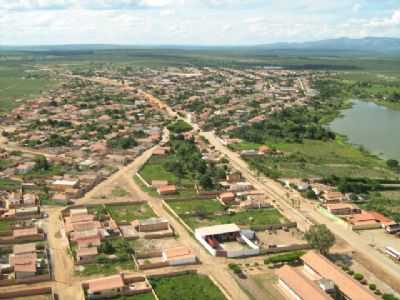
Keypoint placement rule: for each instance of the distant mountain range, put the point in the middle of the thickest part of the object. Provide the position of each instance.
(367, 44)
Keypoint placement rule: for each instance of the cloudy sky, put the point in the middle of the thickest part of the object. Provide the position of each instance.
(193, 22)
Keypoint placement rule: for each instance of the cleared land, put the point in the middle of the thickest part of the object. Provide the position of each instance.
(125, 213)
(188, 287)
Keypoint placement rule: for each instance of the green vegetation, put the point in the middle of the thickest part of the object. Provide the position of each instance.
(106, 265)
(9, 184)
(152, 192)
(129, 212)
(18, 82)
(320, 237)
(119, 192)
(198, 213)
(179, 126)
(235, 268)
(188, 287)
(123, 143)
(387, 203)
(285, 257)
(321, 159)
(6, 225)
(183, 167)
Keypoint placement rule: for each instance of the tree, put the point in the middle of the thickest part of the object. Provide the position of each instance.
(393, 164)
(41, 163)
(106, 247)
(320, 237)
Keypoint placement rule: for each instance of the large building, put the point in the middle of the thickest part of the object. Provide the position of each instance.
(318, 267)
(226, 240)
(296, 286)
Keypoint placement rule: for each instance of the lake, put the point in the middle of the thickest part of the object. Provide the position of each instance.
(373, 126)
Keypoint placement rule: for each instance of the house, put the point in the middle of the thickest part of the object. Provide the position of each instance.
(369, 220)
(24, 248)
(296, 286)
(264, 150)
(234, 177)
(25, 168)
(226, 198)
(86, 255)
(24, 265)
(343, 209)
(22, 233)
(159, 183)
(332, 197)
(152, 224)
(178, 256)
(63, 185)
(167, 190)
(117, 285)
(319, 267)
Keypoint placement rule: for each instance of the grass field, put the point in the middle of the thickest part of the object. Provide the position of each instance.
(155, 169)
(17, 85)
(130, 212)
(186, 287)
(5, 225)
(320, 159)
(199, 213)
(8, 184)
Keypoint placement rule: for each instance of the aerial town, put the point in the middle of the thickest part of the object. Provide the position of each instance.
(149, 184)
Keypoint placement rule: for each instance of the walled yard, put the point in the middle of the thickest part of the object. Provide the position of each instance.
(126, 213)
(188, 287)
(199, 213)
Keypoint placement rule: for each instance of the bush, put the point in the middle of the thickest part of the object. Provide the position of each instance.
(286, 257)
(358, 276)
(372, 286)
(350, 272)
(389, 297)
(235, 268)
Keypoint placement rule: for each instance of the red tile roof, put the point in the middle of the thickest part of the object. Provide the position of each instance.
(303, 287)
(106, 283)
(326, 269)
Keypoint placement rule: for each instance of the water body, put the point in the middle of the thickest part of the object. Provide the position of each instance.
(373, 126)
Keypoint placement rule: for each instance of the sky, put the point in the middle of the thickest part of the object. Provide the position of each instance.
(193, 22)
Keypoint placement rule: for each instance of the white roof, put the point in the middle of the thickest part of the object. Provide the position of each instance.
(65, 182)
(217, 229)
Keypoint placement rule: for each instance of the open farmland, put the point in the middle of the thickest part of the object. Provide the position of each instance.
(16, 85)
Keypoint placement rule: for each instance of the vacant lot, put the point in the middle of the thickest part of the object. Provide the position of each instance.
(267, 283)
(155, 169)
(147, 296)
(320, 159)
(199, 213)
(126, 213)
(186, 287)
